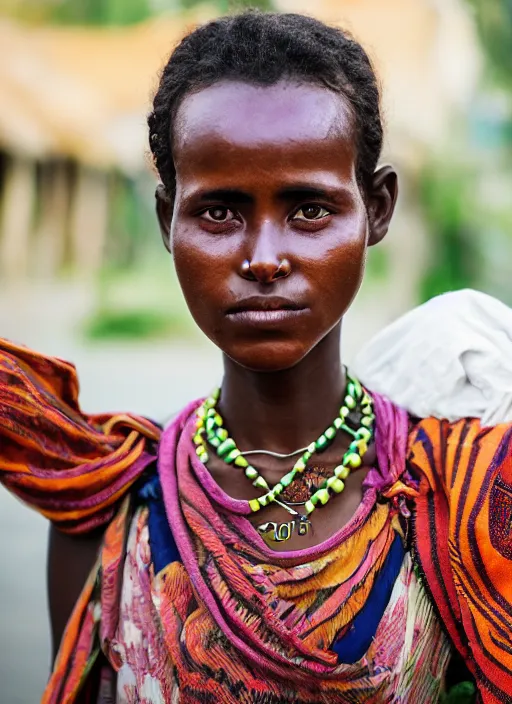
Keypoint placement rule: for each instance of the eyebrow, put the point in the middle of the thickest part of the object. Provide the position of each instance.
(231, 194)
(235, 195)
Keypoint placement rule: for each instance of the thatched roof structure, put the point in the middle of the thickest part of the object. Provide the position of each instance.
(81, 92)
(84, 93)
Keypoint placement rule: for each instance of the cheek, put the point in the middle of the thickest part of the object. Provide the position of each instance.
(191, 265)
(337, 277)
(203, 269)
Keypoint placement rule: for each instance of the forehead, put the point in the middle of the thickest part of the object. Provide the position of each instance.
(244, 116)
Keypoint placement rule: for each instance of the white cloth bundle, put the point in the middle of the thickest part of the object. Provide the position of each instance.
(449, 358)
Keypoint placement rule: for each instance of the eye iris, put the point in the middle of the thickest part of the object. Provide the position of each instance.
(218, 213)
(311, 212)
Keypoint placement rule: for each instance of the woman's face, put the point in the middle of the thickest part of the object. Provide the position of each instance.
(269, 229)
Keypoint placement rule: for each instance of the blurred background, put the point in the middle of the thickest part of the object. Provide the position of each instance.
(83, 274)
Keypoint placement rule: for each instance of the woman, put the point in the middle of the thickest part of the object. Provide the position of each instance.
(293, 537)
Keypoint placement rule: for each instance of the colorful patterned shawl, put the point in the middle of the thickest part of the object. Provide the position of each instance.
(75, 469)
(207, 612)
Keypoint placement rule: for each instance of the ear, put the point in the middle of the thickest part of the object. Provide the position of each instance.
(381, 202)
(164, 210)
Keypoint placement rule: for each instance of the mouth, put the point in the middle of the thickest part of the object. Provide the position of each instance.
(265, 310)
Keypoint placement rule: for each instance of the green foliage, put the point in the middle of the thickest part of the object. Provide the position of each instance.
(131, 325)
(132, 227)
(377, 263)
(101, 12)
(467, 210)
(462, 693)
(447, 193)
(83, 12)
(494, 22)
(235, 5)
(143, 301)
(113, 12)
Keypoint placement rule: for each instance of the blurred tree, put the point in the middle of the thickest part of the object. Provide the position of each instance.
(101, 12)
(111, 12)
(464, 191)
(88, 12)
(494, 22)
(447, 193)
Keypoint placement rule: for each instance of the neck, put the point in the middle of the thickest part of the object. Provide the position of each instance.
(282, 411)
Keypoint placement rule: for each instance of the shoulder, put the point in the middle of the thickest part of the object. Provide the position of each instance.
(463, 542)
(449, 358)
(439, 433)
(461, 456)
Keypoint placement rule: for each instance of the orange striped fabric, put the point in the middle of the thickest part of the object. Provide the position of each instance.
(71, 467)
(463, 541)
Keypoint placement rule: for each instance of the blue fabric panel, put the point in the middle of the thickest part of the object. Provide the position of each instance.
(358, 638)
(161, 540)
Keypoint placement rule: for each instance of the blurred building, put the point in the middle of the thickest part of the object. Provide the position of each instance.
(427, 56)
(74, 101)
(73, 116)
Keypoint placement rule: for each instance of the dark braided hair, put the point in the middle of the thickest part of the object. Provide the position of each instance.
(263, 48)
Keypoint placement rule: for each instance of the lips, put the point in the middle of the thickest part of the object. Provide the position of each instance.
(265, 304)
(266, 311)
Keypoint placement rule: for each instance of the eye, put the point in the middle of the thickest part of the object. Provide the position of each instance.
(311, 212)
(218, 214)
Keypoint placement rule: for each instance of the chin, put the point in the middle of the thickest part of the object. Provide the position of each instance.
(269, 356)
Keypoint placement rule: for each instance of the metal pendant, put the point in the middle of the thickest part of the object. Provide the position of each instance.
(272, 532)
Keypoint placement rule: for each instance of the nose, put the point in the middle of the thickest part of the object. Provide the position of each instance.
(265, 264)
(265, 272)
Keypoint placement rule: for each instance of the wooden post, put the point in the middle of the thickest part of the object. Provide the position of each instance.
(50, 238)
(16, 218)
(89, 218)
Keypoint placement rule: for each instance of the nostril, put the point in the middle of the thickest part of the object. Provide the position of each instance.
(283, 269)
(246, 271)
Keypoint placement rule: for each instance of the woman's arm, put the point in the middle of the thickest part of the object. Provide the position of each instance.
(70, 560)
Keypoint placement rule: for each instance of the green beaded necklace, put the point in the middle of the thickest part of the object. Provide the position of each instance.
(210, 429)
